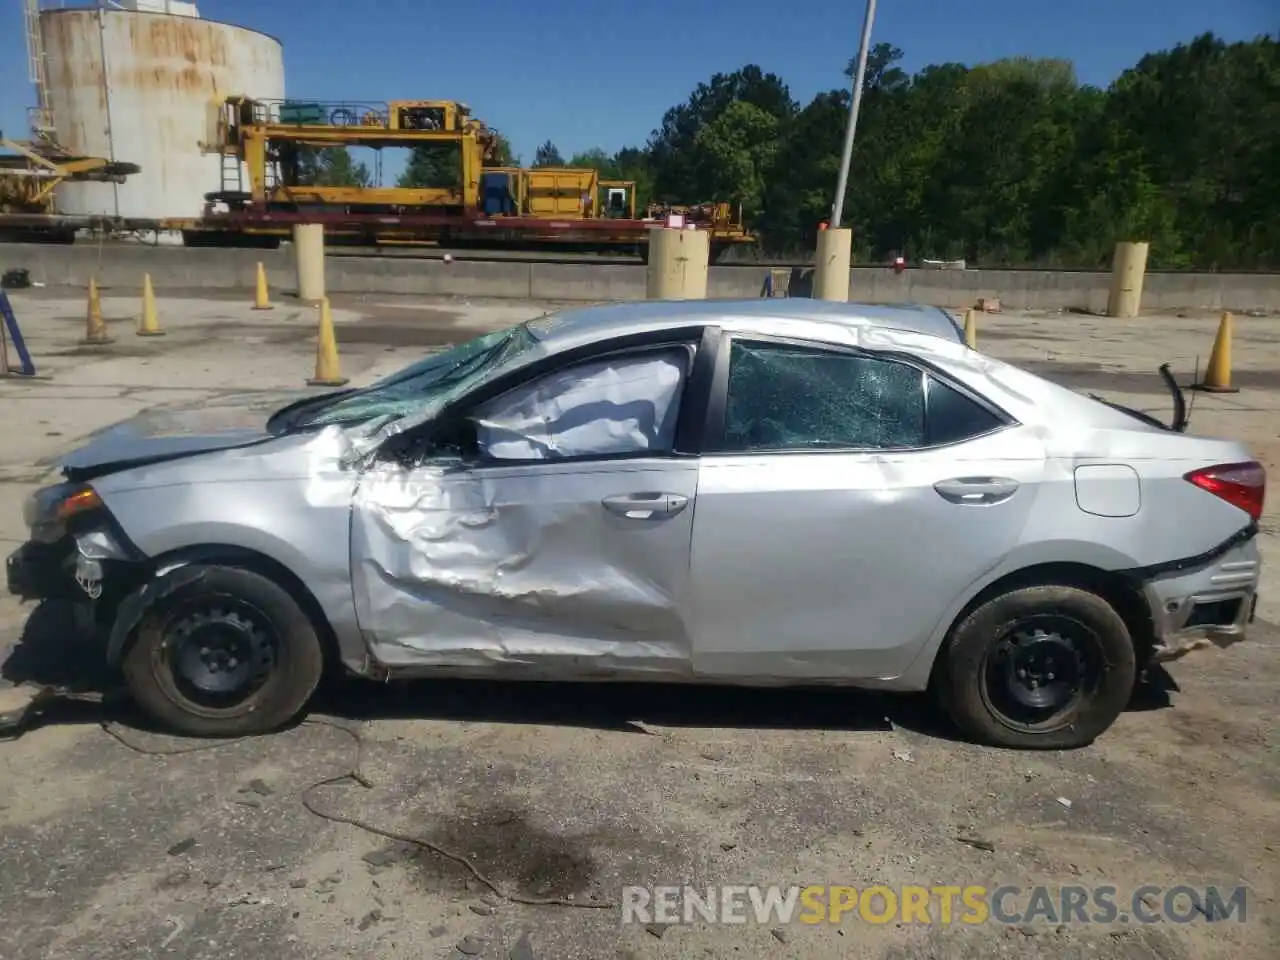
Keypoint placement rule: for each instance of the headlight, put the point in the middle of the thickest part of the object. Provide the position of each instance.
(80, 501)
(47, 510)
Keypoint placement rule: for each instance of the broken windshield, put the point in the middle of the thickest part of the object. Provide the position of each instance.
(432, 381)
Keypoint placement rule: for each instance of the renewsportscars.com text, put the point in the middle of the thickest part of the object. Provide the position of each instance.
(970, 904)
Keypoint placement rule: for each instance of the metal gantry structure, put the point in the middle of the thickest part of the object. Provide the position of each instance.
(267, 147)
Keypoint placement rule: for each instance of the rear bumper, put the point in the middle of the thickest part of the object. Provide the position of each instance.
(1210, 605)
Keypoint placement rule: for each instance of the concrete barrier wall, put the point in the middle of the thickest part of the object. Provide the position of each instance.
(121, 266)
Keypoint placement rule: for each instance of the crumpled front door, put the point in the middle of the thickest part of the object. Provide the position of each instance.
(548, 569)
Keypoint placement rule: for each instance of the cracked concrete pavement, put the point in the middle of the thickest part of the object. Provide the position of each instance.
(114, 850)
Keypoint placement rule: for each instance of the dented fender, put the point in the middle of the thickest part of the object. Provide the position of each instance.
(137, 604)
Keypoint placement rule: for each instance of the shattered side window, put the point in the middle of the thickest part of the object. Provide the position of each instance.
(626, 404)
(784, 397)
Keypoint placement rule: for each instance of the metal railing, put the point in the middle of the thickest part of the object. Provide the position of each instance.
(305, 113)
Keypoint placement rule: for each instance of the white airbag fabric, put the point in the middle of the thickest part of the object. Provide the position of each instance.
(623, 405)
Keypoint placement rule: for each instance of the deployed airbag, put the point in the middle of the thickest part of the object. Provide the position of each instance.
(622, 405)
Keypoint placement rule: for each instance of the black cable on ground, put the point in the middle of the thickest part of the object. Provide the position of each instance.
(354, 774)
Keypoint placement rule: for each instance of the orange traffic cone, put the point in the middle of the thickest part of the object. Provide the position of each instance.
(148, 324)
(95, 332)
(260, 299)
(328, 371)
(1217, 376)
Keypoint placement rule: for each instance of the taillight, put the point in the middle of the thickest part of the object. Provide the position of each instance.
(1240, 484)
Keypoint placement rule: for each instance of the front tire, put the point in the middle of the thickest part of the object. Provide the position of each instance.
(230, 654)
(1042, 667)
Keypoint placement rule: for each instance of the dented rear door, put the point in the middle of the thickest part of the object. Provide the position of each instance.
(549, 568)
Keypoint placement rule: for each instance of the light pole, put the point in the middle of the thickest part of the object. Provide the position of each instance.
(837, 209)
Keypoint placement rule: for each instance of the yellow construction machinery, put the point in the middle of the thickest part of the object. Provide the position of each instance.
(265, 144)
(30, 172)
(557, 193)
(268, 183)
(724, 222)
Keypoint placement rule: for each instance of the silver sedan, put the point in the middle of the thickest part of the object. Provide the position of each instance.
(758, 493)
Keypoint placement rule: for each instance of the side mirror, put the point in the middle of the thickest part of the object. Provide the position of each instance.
(453, 439)
(411, 444)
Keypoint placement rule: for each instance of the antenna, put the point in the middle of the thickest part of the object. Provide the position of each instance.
(39, 117)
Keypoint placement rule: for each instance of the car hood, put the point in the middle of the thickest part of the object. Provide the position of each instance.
(166, 433)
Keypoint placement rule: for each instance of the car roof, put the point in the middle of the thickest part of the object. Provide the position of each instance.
(570, 328)
(890, 328)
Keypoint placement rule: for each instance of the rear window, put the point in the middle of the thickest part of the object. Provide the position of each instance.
(951, 416)
(784, 397)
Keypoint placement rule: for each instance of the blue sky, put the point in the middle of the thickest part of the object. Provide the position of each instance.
(588, 73)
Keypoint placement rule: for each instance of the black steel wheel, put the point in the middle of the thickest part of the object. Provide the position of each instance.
(1047, 667)
(218, 652)
(227, 653)
(1038, 671)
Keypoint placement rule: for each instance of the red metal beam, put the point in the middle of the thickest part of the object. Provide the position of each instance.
(465, 222)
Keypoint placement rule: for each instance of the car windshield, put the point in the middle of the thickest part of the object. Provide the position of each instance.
(432, 381)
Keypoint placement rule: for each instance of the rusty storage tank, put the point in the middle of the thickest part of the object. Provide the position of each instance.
(143, 87)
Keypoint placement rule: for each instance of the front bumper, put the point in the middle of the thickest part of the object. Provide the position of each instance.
(43, 571)
(77, 565)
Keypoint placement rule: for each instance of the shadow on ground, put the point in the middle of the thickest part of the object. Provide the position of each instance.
(58, 651)
(55, 652)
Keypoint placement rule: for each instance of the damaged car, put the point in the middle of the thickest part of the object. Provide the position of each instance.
(763, 494)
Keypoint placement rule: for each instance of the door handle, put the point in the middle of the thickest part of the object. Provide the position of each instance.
(978, 491)
(645, 506)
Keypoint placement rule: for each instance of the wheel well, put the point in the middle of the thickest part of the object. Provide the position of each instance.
(273, 570)
(1122, 592)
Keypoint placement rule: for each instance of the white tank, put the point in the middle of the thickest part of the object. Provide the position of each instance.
(144, 88)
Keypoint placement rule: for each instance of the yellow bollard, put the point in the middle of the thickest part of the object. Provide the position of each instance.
(1217, 376)
(1128, 269)
(148, 324)
(308, 252)
(95, 327)
(260, 299)
(678, 264)
(328, 372)
(831, 264)
(971, 329)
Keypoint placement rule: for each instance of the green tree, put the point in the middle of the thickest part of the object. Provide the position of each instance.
(807, 162)
(330, 167)
(432, 166)
(737, 150)
(501, 155)
(547, 156)
(336, 168)
(1011, 162)
(439, 166)
(596, 159)
(883, 72)
(681, 173)
(634, 164)
(1201, 125)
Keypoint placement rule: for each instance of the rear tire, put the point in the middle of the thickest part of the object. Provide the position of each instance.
(1040, 668)
(230, 654)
